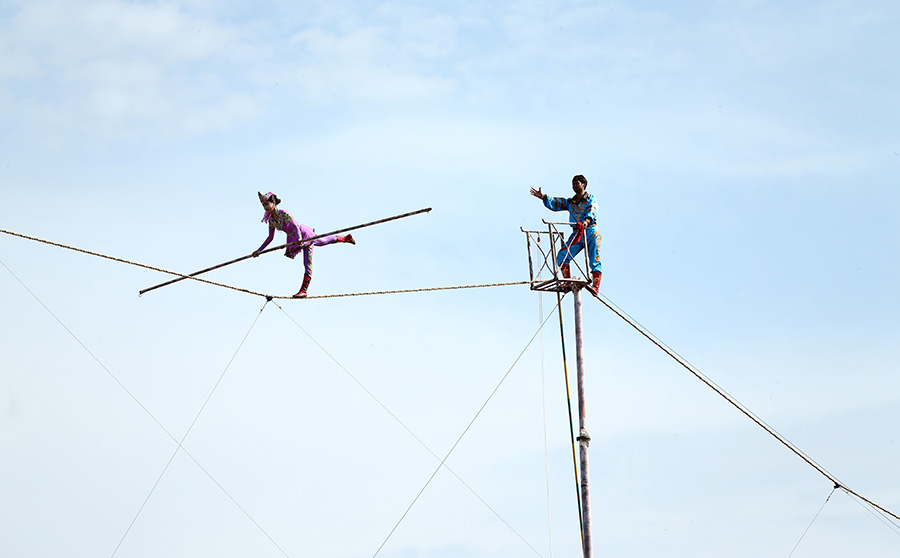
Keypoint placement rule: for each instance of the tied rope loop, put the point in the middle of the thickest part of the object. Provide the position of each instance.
(578, 236)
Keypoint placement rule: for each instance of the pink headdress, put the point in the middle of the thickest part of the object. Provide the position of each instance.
(268, 196)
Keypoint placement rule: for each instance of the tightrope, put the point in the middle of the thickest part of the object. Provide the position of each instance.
(248, 291)
(420, 290)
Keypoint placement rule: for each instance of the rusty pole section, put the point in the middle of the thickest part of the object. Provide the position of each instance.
(310, 239)
(583, 438)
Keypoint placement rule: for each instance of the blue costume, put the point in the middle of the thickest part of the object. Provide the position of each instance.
(583, 211)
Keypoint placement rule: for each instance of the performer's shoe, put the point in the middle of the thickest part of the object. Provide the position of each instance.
(594, 287)
(302, 292)
(349, 239)
(564, 274)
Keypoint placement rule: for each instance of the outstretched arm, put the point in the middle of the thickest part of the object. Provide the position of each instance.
(553, 204)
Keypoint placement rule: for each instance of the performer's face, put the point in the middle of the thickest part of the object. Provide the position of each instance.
(268, 205)
(578, 188)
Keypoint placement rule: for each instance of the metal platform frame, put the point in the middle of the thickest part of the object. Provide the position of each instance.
(542, 258)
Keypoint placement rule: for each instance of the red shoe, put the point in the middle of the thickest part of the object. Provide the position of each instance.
(349, 239)
(302, 292)
(594, 287)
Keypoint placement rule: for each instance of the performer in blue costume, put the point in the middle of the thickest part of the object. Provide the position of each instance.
(582, 208)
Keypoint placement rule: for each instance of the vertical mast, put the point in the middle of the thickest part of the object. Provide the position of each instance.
(559, 283)
(583, 438)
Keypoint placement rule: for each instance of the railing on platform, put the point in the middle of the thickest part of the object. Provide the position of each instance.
(543, 271)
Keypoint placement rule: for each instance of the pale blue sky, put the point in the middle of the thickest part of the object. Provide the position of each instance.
(745, 158)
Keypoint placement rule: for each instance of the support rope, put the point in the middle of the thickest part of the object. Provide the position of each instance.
(408, 429)
(186, 434)
(544, 416)
(144, 408)
(121, 260)
(690, 368)
(836, 486)
(562, 339)
(877, 514)
(461, 436)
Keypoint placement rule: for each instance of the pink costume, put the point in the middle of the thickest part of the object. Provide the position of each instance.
(283, 221)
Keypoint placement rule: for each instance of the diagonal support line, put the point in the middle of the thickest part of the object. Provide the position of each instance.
(465, 431)
(408, 430)
(181, 448)
(147, 411)
(737, 404)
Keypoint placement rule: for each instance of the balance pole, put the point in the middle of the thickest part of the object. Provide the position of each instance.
(301, 242)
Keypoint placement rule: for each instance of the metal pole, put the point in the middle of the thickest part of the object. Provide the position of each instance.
(571, 426)
(583, 438)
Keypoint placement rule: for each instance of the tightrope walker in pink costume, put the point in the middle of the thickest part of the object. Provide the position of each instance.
(296, 233)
